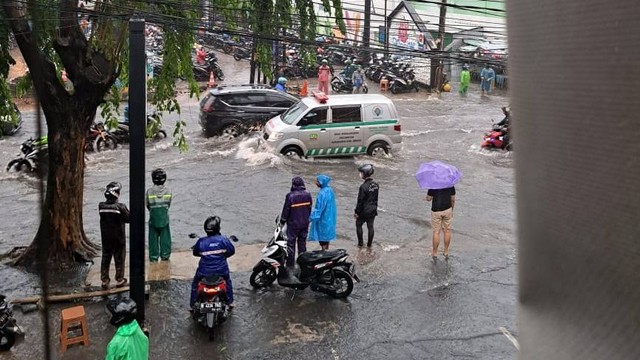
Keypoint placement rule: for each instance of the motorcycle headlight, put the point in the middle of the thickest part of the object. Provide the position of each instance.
(274, 136)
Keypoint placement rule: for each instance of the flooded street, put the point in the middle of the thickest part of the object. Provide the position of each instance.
(406, 305)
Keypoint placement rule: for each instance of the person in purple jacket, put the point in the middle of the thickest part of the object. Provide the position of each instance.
(295, 213)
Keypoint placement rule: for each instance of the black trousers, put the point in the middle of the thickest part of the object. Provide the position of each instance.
(118, 253)
(359, 222)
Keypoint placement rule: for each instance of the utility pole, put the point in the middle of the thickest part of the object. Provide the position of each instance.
(436, 76)
(386, 31)
(137, 125)
(366, 35)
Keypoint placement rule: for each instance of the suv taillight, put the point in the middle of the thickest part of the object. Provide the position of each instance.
(207, 103)
(397, 127)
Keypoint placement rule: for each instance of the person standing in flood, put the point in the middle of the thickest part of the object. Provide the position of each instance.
(441, 217)
(113, 217)
(465, 79)
(295, 213)
(158, 201)
(323, 77)
(367, 207)
(487, 75)
(324, 214)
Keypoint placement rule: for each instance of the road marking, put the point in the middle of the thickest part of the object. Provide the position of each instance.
(511, 338)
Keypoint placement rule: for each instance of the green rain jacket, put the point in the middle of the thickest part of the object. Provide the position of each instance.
(129, 343)
(158, 200)
(465, 78)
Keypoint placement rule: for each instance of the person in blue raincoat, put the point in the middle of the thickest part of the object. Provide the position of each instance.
(487, 76)
(213, 251)
(324, 214)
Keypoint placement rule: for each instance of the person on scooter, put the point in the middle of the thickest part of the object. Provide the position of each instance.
(282, 84)
(357, 79)
(113, 216)
(129, 342)
(348, 70)
(295, 213)
(324, 215)
(505, 122)
(213, 251)
(158, 201)
(367, 207)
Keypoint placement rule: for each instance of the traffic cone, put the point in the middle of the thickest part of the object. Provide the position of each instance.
(305, 88)
(212, 81)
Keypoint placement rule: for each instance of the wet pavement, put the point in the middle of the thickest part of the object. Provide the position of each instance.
(406, 306)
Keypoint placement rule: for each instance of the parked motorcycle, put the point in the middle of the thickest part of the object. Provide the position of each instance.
(405, 82)
(241, 52)
(340, 84)
(10, 331)
(34, 154)
(121, 133)
(99, 139)
(211, 307)
(330, 272)
(202, 72)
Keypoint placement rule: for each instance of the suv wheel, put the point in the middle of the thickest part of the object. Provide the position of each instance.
(230, 132)
(292, 152)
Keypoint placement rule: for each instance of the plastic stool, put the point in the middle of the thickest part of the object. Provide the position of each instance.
(73, 318)
(384, 85)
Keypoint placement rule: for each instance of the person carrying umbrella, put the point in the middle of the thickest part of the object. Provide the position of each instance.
(439, 178)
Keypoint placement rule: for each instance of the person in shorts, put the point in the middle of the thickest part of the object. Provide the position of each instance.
(442, 203)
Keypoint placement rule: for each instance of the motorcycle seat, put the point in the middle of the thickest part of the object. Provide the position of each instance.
(314, 257)
(212, 280)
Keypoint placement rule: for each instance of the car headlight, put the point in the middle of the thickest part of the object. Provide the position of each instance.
(274, 136)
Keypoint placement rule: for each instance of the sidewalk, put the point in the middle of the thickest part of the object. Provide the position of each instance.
(181, 266)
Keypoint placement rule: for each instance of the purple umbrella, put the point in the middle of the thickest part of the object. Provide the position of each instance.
(437, 175)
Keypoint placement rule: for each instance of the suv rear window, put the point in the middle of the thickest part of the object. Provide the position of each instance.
(246, 99)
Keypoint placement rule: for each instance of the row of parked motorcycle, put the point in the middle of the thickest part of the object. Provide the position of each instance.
(400, 75)
(34, 153)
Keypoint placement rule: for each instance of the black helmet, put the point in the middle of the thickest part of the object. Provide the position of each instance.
(159, 176)
(123, 311)
(112, 192)
(212, 225)
(366, 170)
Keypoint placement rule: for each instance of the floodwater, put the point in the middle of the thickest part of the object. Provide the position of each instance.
(406, 306)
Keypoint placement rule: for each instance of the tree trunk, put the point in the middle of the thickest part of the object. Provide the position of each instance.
(61, 223)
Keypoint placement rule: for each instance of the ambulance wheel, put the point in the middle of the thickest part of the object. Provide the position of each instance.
(292, 151)
(378, 149)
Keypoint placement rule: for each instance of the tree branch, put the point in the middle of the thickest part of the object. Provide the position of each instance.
(40, 67)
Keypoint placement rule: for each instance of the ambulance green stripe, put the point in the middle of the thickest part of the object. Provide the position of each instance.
(354, 123)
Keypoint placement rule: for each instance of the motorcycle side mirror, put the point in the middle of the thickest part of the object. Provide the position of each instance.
(193, 235)
(278, 219)
(234, 238)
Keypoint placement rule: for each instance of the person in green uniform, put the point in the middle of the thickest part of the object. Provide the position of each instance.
(465, 79)
(129, 342)
(158, 201)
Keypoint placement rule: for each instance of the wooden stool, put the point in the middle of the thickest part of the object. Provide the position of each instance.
(384, 85)
(73, 318)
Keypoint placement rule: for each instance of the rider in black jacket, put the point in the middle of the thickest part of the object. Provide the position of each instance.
(113, 216)
(367, 207)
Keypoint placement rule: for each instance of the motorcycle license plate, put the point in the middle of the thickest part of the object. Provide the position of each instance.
(207, 307)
